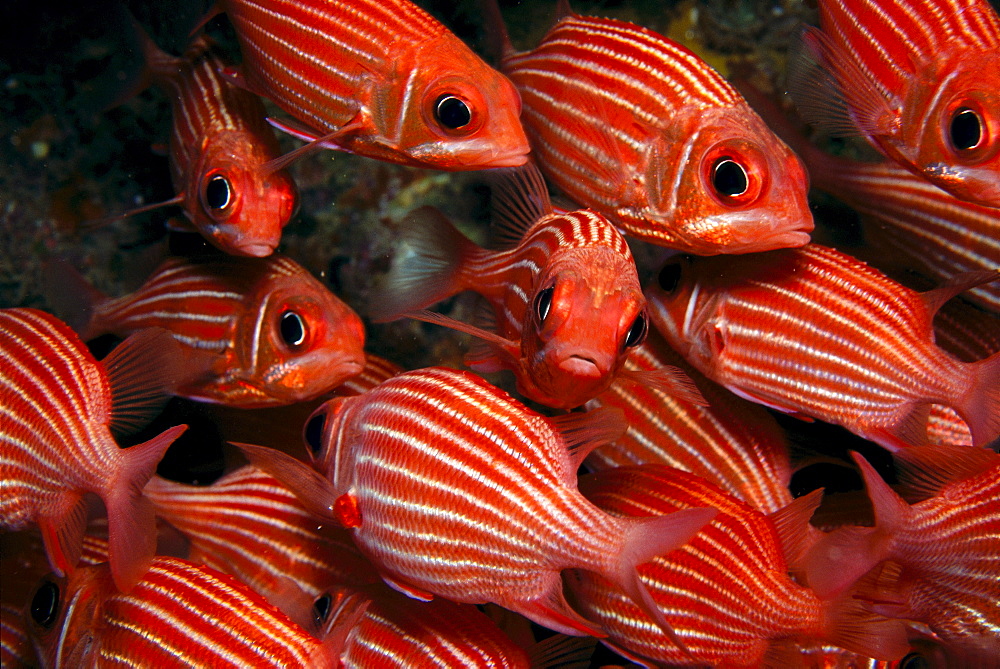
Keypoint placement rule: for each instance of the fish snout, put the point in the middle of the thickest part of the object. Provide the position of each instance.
(582, 366)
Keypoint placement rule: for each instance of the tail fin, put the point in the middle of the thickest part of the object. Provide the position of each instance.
(981, 402)
(426, 265)
(131, 521)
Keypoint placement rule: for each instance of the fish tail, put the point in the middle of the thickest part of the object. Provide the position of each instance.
(851, 624)
(427, 266)
(71, 297)
(981, 402)
(62, 532)
(647, 538)
(131, 520)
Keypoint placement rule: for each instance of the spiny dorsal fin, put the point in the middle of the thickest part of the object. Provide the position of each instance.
(520, 199)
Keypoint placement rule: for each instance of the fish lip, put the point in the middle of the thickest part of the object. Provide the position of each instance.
(258, 250)
(580, 367)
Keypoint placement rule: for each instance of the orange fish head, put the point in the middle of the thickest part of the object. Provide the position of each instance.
(322, 435)
(463, 114)
(297, 341)
(742, 190)
(586, 314)
(236, 204)
(63, 614)
(950, 128)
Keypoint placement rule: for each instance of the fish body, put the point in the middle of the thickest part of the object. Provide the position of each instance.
(944, 547)
(265, 331)
(921, 81)
(815, 332)
(56, 444)
(731, 443)
(489, 511)
(638, 128)
(179, 615)
(220, 147)
(380, 79)
(727, 592)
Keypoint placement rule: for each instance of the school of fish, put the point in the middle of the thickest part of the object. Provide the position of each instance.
(692, 427)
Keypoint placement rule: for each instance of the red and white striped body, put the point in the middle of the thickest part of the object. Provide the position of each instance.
(727, 593)
(178, 615)
(731, 443)
(269, 332)
(921, 80)
(381, 76)
(455, 489)
(220, 145)
(635, 126)
(816, 332)
(15, 646)
(56, 446)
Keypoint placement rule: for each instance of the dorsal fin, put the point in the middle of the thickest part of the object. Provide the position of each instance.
(925, 471)
(141, 372)
(520, 199)
(586, 430)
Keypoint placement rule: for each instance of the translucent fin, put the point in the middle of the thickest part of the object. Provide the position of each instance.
(672, 381)
(520, 199)
(315, 142)
(505, 349)
(851, 625)
(564, 652)
(792, 524)
(925, 471)
(62, 532)
(315, 492)
(585, 431)
(553, 611)
(935, 299)
(96, 224)
(141, 372)
(980, 405)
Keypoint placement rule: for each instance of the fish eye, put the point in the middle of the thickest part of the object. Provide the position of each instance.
(543, 303)
(914, 661)
(218, 193)
(321, 608)
(966, 129)
(45, 604)
(729, 179)
(293, 330)
(637, 333)
(452, 112)
(669, 277)
(313, 432)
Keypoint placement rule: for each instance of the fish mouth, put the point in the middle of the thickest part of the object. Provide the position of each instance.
(581, 367)
(260, 250)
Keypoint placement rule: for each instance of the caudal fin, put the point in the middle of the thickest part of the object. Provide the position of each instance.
(131, 521)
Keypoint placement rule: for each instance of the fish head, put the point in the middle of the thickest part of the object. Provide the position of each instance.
(462, 114)
(325, 435)
(587, 312)
(950, 128)
(297, 340)
(63, 614)
(740, 189)
(237, 204)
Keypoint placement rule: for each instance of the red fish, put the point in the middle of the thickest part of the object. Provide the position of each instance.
(921, 81)
(640, 129)
(815, 332)
(727, 593)
(381, 79)
(15, 647)
(565, 295)
(265, 331)
(732, 443)
(945, 546)
(59, 407)
(489, 511)
(179, 615)
(221, 150)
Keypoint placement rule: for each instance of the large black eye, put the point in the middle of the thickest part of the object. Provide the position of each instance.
(293, 330)
(914, 661)
(313, 432)
(452, 112)
(729, 178)
(669, 277)
(543, 303)
(217, 192)
(321, 608)
(45, 604)
(966, 129)
(637, 333)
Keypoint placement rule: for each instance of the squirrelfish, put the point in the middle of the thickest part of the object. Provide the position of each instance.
(378, 78)
(943, 550)
(921, 81)
(815, 332)
(221, 148)
(263, 331)
(179, 615)
(453, 488)
(730, 442)
(727, 592)
(639, 128)
(565, 294)
(58, 407)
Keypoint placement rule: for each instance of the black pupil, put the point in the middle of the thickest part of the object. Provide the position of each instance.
(217, 192)
(914, 661)
(45, 604)
(669, 277)
(543, 303)
(321, 608)
(451, 112)
(637, 333)
(293, 330)
(314, 433)
(729, 178)
(966, 130)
